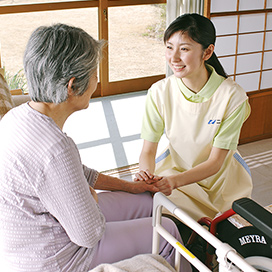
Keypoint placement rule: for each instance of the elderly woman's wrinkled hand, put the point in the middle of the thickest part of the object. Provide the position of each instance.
(151, 181)
(140, 186)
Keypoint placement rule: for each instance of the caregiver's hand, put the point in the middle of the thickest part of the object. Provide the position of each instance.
(165, 185)
(146, 176)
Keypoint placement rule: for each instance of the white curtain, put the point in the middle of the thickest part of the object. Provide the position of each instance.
(178, 7)
(175, 8)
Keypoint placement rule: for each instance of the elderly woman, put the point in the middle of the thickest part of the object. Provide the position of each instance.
(51, 217)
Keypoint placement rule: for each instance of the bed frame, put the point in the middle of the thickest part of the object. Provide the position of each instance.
(226, 255)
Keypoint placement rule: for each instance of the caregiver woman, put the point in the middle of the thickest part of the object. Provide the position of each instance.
(202, 112)
(51, 219)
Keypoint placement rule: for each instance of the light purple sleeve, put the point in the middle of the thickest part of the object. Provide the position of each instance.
(66, 194)
(91, 175)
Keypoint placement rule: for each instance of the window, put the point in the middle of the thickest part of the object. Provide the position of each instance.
(244, 39)
(135, 48)
(244, 35)
(134, 57)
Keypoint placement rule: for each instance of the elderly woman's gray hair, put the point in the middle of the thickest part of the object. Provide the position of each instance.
(54, 55)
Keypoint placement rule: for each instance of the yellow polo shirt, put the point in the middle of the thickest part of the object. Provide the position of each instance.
(228, 134)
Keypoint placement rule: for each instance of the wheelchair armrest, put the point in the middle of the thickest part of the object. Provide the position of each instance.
(255, 214)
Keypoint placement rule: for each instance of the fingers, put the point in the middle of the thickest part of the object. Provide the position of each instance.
(141, 187)
(152, 188)
(143, 176)
(156, 178)
(164, 186)
(155, 183)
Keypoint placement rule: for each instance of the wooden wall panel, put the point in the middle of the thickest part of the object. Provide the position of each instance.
(243, 45)
(268, 116)
(259, 124)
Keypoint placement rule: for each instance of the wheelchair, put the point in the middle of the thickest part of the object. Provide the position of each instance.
(238, 240)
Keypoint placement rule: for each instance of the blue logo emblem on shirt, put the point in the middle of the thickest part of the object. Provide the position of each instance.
(214, 122)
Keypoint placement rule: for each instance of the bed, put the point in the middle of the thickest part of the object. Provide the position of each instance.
(227, 257)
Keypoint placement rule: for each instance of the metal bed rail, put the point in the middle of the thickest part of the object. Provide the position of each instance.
(227, 257)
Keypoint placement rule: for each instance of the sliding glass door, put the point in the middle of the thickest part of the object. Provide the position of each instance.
(134, 56)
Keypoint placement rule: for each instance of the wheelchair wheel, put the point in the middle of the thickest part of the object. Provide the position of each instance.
(262, 264)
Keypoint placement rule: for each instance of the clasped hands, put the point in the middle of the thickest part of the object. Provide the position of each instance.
(163, 184)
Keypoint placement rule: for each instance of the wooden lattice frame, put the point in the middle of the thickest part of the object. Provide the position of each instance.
(266, 12)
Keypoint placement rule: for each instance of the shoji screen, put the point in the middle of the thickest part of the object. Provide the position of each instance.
(244, 47)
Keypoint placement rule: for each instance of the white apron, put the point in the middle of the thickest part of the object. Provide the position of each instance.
(191, 128)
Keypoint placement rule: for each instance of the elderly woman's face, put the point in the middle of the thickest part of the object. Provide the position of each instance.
(92, 84)
(91, 88)
(82, 101)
